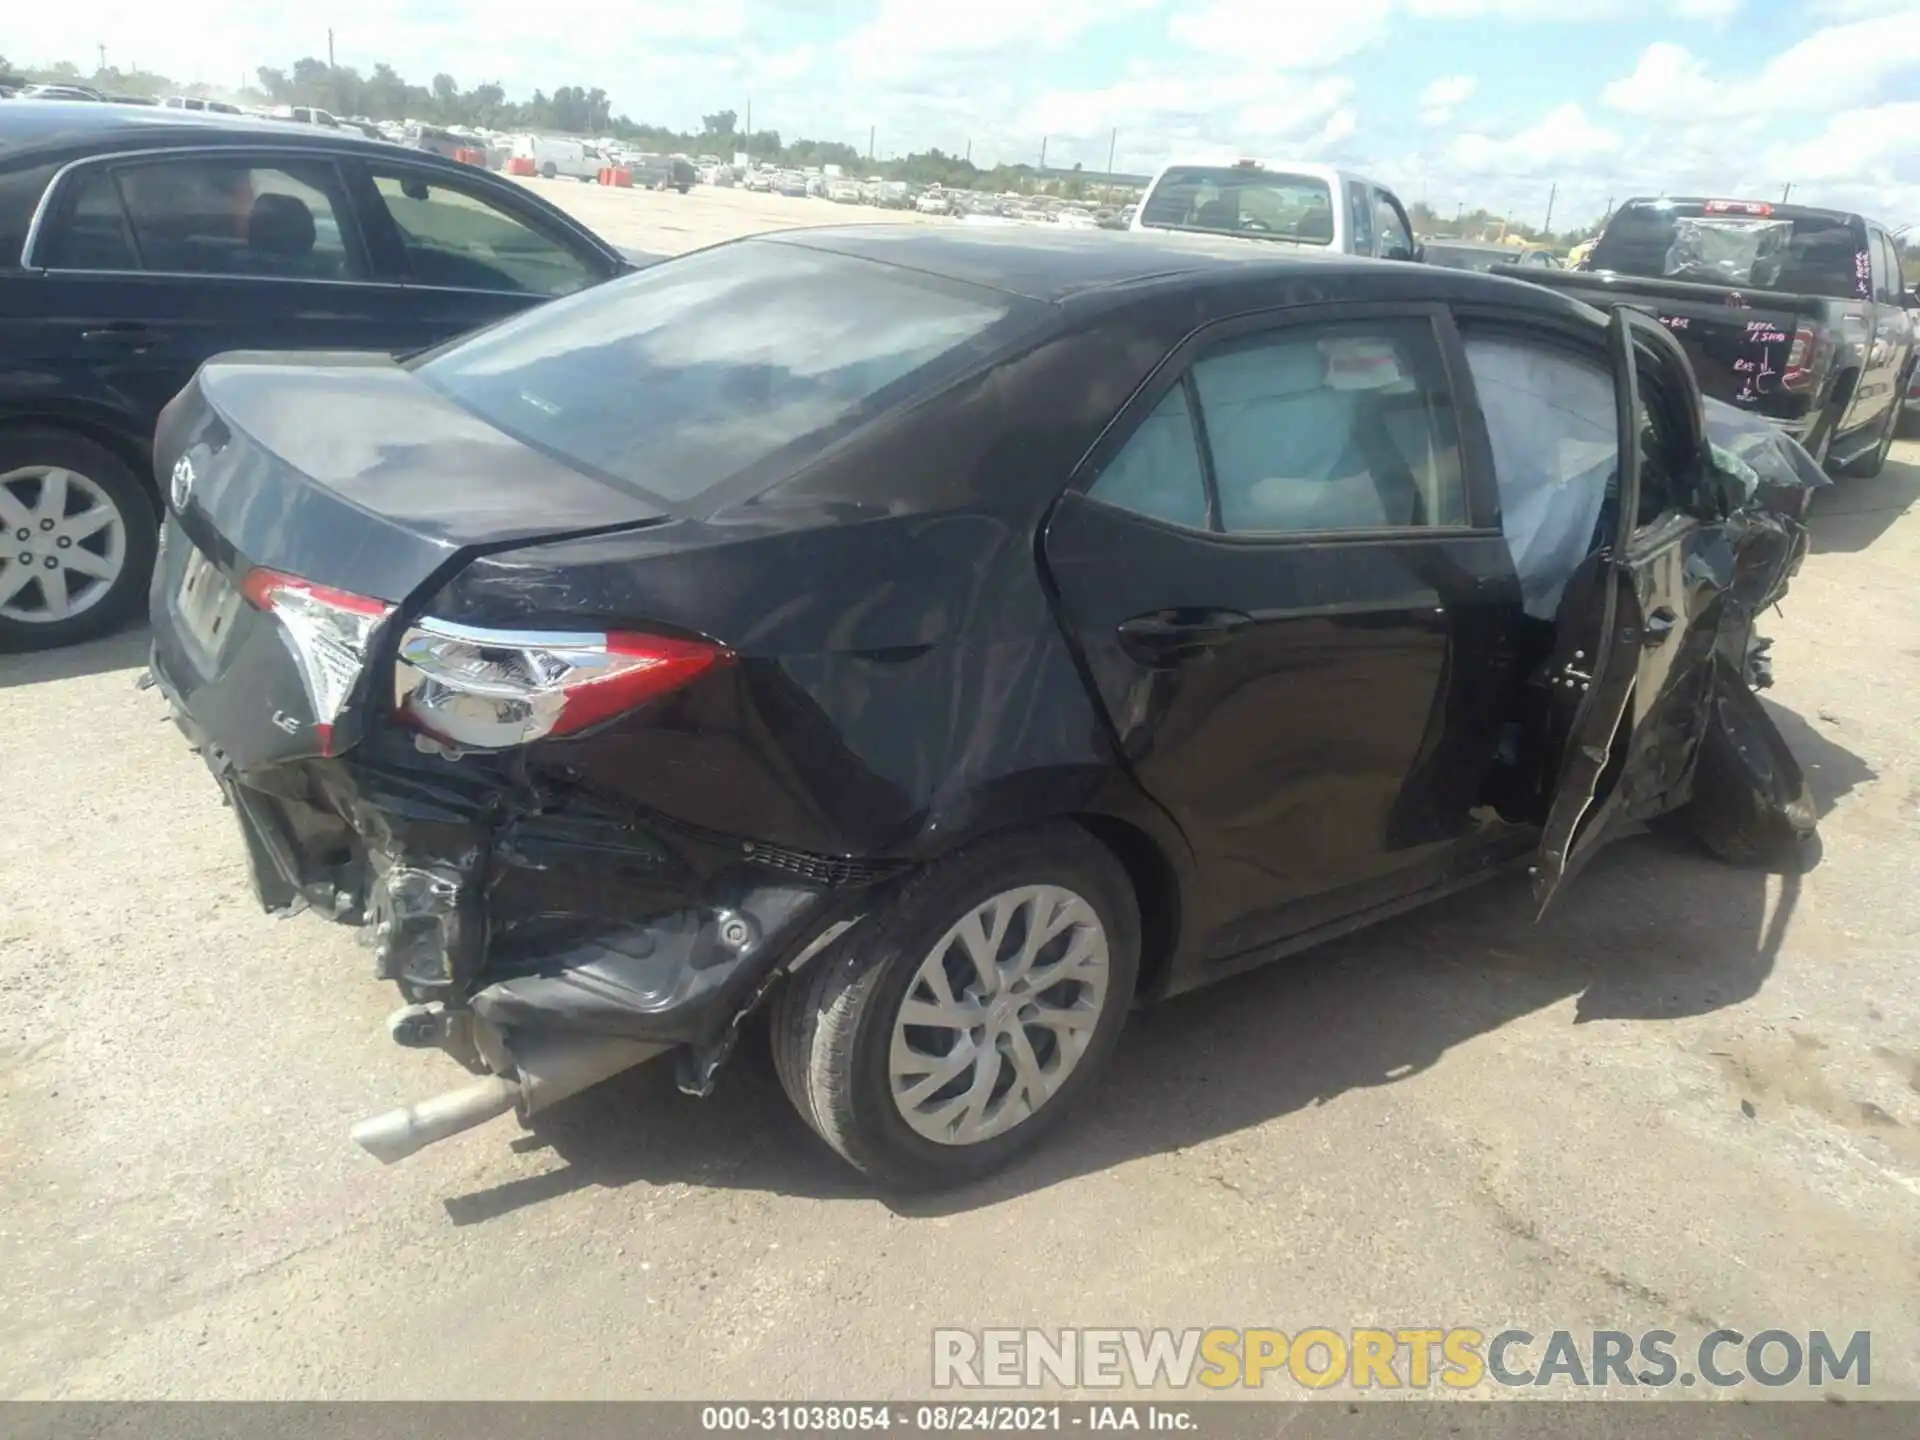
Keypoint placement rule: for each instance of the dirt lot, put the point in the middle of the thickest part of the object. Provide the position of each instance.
(1690, 1099)
(665, 222)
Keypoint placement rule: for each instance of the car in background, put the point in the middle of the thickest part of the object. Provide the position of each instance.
(1301, 205)
(199, 105)
(1797, 313)
(1482, 255)
(538, 660)
(135, 244)
(61, 92)
(556, 155)
(662, 172)
(304, 115)
(790, 183)
(433, 140)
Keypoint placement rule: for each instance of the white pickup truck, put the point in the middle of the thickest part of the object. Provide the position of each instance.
(1280, 202)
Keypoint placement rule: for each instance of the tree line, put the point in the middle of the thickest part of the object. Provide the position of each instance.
(383, 94)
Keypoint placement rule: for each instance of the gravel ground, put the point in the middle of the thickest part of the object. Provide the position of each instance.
(1690, 1098)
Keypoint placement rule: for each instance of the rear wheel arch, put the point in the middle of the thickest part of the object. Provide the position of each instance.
(1156, 891)
(1147, 860)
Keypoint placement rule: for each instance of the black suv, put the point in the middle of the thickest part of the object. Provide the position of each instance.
(136, 243)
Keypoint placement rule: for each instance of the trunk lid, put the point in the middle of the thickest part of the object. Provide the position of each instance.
(349, 474)
(349, 470)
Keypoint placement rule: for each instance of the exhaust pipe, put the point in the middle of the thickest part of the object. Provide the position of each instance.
(550, 1068)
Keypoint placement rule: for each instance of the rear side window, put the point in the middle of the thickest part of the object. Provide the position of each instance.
(1309, 429)
(1339, 427)
(1158, 473)
(1714, 244)
(232, 217)
(459, 239)
(754, 354)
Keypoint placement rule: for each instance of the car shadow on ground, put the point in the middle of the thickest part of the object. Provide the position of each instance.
(1852, 513)
(1652, 930)
(124, 650)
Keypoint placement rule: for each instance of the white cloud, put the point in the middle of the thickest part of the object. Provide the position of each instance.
(1285, 36)
(1559, 10)
(1859, 9)
(907, 33)
(1165, 113)
(1875, 142)
(1850, 60)
(1445, 95)
(222, 42)
(1564, 136)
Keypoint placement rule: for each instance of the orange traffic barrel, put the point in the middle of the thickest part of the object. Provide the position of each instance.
(521, 165)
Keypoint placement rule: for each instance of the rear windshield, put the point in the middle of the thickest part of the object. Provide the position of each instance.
(1468, 257)
(1690, 240)
(1237, 200)
(694, 371)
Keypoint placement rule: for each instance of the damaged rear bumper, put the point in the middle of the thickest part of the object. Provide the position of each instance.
(545, 940)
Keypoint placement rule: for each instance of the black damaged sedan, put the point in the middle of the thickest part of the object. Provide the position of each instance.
(951, 640)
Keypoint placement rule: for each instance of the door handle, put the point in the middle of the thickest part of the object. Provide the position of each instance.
(1659, 626)
(1166, 637)
(122, 334)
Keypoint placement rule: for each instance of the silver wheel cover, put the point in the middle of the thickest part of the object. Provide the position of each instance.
(63, 542)
(998, 1015)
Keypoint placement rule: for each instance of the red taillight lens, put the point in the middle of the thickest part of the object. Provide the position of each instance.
(1802, 359)
(490, 689)
(328, 632)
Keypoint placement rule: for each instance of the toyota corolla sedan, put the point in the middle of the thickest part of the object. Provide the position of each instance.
(949, 640)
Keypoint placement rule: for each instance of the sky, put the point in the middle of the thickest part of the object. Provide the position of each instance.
(1455, 102)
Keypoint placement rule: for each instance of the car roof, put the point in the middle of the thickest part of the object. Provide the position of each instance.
(27, 125)
(1056, 265)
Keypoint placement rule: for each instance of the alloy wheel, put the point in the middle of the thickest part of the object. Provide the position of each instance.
(999, 1014)
(63, 542)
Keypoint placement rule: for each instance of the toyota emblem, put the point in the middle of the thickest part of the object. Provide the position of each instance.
(182, 486)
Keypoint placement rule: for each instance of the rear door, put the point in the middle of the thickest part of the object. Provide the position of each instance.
(1289, 592)
(148, 264)
(1633, 646)
(464, 251)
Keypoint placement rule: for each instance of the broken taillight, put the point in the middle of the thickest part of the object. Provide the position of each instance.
(328, 632)
(1803, 359)
(486, 689)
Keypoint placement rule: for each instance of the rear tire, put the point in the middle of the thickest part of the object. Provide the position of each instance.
(549, 170)
(1750, 804)
(94, 479)
(849, 1059)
